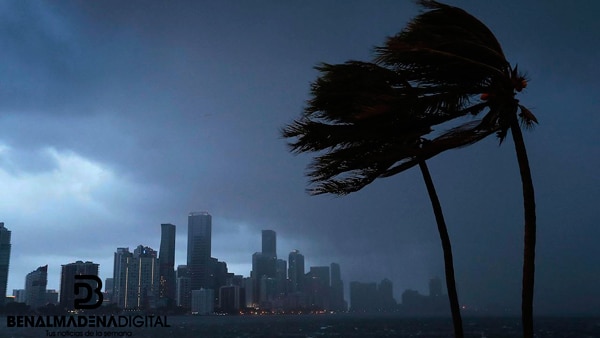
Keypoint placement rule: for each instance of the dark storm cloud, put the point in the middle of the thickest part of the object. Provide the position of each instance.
(117, 117)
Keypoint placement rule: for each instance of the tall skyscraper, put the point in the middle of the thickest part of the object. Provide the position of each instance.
(199, 249)
(67, 281)
(35, 287)
(296, 271)
(4, 260)
(264, 267)
(120, 269)
(166, 262)
(136, 279)
(269, 243)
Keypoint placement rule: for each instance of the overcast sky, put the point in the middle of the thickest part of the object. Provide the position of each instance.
(117, 116)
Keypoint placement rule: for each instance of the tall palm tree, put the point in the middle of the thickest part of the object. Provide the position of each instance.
(455, 60)
(366, 119)
(371, 120)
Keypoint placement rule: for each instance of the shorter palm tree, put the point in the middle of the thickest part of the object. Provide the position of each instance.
(368, 122)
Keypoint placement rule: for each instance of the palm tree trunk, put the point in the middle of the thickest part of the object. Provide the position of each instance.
(447, 248)
(530, 229)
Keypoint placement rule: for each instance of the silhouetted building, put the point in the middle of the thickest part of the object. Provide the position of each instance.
(120, 270)
(109, 287)
(35, 287)
(387, 303)
(136, 279)
(166, 259)
(363, 297)
(231, 298)
(203, 301)
(184, 290)
(317, 287)
(336, 297)
(51, 297)
(263, 266)
(248, 285)
(296, 271)
(281, 277)
(4, 260)
(19, 295)
(67, 281)
(413, 303)
(264, 269)
(199, 249)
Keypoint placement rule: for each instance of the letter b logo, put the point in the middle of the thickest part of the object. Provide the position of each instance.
(81, 303)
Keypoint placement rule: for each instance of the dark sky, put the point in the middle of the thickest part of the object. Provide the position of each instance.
(119, 116)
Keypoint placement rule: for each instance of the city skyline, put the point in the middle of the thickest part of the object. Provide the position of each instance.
(124, 294)
(117, 118)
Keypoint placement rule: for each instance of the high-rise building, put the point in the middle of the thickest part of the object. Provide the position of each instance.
(203, 302)
(269, 243)
(35, 287)
(109, 287)
(296, 271)
(199, 249)
(385, 291)
(184, 291)
(120, 271)
(317, 287)
(281, 277)
(264, 269)
(67, 281)
(19, 295)
(136, 281)
(51, 297)
(166, 261)
(4, 260)
(336, 297)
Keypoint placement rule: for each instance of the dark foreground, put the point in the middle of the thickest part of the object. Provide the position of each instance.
(323, 326)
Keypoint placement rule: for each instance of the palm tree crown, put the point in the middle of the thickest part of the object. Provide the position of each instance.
(372, 119)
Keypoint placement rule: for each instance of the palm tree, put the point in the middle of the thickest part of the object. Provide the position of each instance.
(365, 117)
(453, 58)
(369, 120)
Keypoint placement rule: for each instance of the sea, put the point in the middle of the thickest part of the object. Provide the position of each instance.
(323, 325)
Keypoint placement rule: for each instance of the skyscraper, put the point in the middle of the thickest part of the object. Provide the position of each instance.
(120, 269)
(67, 280)
(35, 287)
(296, 271)
(184, 292)
(317, 287)
(199, 249)
(264, 267)
(337, 302)
(166, 262)
(4, 260)
(136, 279)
